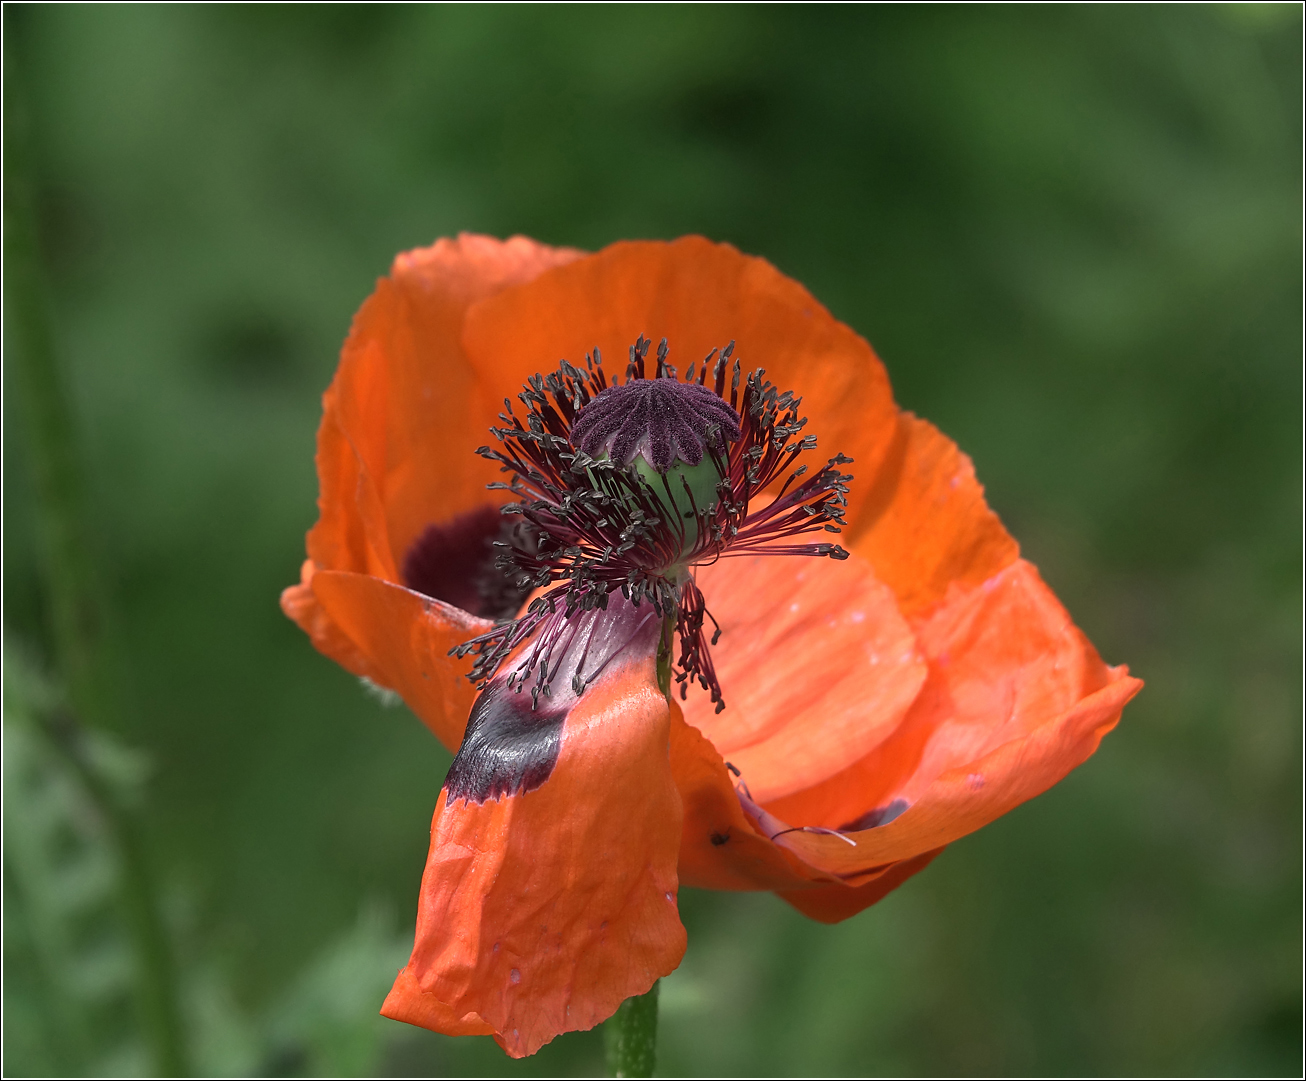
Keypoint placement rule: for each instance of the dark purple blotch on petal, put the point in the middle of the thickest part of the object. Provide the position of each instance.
(659, 418)
(453, 561)
(508, 748)
(514, 732)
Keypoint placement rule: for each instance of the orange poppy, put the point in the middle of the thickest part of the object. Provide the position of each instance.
(879, 704)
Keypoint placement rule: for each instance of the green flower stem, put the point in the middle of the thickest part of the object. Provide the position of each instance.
(630, 1036)
(666, 654)
(77, 609)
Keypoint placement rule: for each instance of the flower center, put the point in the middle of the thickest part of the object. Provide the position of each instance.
(661, 429)
(629, 486)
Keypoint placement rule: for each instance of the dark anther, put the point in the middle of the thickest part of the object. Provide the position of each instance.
(719, 839)
(732, 768)
(659, 418)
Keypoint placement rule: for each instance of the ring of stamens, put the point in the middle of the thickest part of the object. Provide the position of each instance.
(593, 525)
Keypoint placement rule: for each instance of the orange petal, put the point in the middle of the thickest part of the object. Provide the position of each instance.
(350, 533)
(409, 1003)
(438, 413)
(405, 638)
(542, 911)
(1017, 697)
(816, 666)
(699, 296)
(831, 904)
(404, 414)
(721, 849)
(924, 524)
(301, 605)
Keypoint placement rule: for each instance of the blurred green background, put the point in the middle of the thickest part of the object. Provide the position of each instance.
(1073, 234)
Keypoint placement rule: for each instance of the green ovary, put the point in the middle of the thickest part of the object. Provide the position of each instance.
(702, 480)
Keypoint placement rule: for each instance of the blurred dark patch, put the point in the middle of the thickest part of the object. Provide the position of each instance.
(18, 23)
(71, 234)
(290, 1060)
(249, 345)
(1280, 1027)
(732, 111)
(344, 31)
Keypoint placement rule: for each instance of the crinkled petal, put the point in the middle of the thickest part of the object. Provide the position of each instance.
(405, 413)
(407, 1002)
(438, 409)
(543, 909)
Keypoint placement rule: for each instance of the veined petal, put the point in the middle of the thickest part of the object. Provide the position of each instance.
(1016, 698)
(816, 665)
(924, 525)
(549, 895)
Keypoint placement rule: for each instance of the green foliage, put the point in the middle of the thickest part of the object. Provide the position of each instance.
(1074, 236)
(69, 968)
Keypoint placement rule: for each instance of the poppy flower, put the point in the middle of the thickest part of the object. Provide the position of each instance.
(678, 677)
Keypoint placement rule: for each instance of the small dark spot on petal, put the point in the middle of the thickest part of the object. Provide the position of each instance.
(719, 838)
